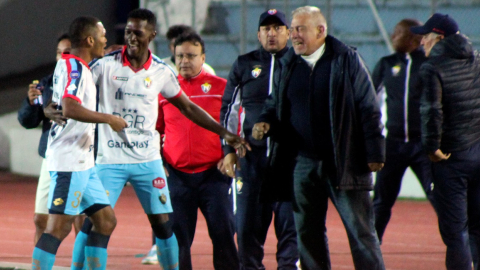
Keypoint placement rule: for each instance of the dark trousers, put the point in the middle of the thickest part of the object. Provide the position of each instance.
(457, 201)
(253, 218)
(312, 187)
(208, 191)
(400, 156)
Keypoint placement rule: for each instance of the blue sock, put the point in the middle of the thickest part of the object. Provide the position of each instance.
(96, 251)
(78, 255)
(44, 252)
(167, 252)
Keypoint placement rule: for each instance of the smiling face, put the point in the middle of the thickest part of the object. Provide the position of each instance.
(307, 34)
(138, 35)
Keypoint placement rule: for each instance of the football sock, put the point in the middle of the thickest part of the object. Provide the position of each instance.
(44, 252)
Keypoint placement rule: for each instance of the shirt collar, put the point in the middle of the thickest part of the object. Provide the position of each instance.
(313, 58)
(198, 76)
(125, 61)
(67, 56)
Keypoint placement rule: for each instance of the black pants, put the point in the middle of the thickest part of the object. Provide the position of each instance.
(254, 217)
(400, 156)
(457, 200)
(208, 191)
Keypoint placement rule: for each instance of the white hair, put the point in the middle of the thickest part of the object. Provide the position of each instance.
(315, 14)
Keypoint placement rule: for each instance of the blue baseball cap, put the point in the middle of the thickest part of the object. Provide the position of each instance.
(272, 14)
(439, 23)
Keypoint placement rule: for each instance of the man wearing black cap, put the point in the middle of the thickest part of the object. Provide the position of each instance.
(450, 115)
(263, 189)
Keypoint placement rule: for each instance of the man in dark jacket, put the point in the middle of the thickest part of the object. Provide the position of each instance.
(30, 115)
(395, 78)
(260, 193)
(324, 101)
(450, 115)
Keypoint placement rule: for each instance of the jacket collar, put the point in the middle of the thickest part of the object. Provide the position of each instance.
(200, 76)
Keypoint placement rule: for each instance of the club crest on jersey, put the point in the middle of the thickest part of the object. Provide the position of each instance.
(147, 82)
(159, 183)
(206, 87)
(396, 70)
(272, 11)
(256, 72)
(74, 74)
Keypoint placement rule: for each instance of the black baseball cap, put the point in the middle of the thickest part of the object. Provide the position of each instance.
(439, 23)
(272, 14)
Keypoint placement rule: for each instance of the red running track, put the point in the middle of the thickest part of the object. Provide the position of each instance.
(411, 242)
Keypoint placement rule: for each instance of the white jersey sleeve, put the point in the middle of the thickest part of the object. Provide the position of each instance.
(70, 147)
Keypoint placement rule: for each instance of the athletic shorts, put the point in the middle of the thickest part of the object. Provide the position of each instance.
(73, 192)
(148, 179)
(41, 198)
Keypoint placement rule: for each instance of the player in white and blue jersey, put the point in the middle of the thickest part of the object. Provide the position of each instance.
(75, 187)
(129, 82)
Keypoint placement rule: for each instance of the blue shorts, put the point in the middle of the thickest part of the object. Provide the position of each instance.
(73, 192)
(148, 179)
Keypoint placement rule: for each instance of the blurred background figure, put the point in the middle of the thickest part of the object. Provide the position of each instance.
(396, 80)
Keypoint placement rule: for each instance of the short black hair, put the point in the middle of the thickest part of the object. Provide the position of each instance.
(145, 15)
(179, 29)
(191, 37)
(81, 28)
(62, 37)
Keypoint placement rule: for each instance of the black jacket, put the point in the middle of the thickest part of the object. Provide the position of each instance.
(30, 116)
(245, 93)
(396, 78)
(355, 116)
(450, 104)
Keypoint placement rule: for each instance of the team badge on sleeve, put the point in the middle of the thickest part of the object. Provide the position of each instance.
(256, 72)
(74, 74)
(206, 87)
(147, 82)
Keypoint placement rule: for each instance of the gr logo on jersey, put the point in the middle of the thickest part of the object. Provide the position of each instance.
(206, 87)
(159, 183)
(256, 71)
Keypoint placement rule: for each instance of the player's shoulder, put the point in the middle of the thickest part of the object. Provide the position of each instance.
(112, 58)
(160, 66)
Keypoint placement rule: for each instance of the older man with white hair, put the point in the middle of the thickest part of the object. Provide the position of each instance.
(325, 100)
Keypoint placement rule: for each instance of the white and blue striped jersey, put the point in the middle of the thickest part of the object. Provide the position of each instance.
(70, 147)
(133, 95)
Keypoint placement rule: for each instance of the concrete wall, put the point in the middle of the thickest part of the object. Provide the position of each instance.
(29, 29)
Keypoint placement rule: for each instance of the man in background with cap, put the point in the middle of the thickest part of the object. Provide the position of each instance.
(262, 189)
(450, 115)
